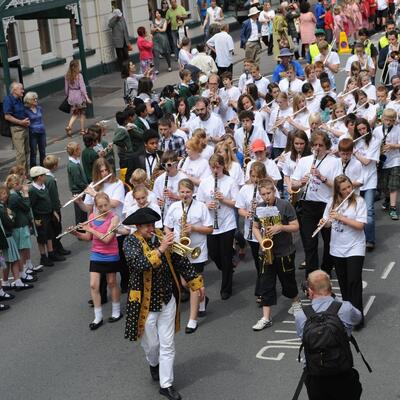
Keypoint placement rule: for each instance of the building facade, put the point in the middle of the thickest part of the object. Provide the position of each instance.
(39, 50)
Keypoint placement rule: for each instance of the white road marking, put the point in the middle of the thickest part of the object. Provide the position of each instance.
(387, 270)
(281, 331)
(369, 304)
(288, 322)
(369, 269)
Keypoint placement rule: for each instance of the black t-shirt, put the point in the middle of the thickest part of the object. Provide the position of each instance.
(282, 212)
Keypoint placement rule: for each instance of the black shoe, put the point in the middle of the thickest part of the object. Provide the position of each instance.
(25, 286)
(7, 288)
(189, 330)
(29, 279)
(115, 319)
(63, 252)
(171, 393)
(4, 307)
(44, 260)
(202, 314)
(225, 295)
(56, 257)
(370, 246)
(303, 265)
(93, 326)
(154, 372)
(6, 297)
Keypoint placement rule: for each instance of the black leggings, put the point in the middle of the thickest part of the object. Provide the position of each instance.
(220, 250)
(255, 248)
(349, 274)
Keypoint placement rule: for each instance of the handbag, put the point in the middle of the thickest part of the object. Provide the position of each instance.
(65, 106)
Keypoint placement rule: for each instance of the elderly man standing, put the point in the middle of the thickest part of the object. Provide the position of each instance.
(222, 45)
(250, 35)
(14, 113)
(120, 35)
(285, 57)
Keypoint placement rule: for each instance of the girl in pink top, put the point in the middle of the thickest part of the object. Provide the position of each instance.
(338, 23)
(145, 46)
(104, 257)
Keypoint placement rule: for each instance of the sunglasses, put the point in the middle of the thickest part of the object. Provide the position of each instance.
(169, 164)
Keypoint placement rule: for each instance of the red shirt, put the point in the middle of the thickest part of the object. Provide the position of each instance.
(145, 48)
(328, 20)
(372, 7)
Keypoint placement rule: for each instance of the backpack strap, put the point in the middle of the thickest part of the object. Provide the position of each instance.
(308, 311)
(352, 339)
(334, 308)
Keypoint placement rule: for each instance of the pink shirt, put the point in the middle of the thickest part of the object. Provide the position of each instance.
(98, 246)
(145, 49)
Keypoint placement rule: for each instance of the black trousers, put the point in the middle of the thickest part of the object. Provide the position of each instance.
(345, 386)
(255, 248)
(284, 269)
(349, 274)
(310, 215)
(80, 216)
(269, 42)
(220, 250)
(221, 70)
(122, 54)
(124, 272)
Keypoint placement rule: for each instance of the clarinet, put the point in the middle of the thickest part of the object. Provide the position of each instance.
(215, 200)
(164, 198)
(253, 210)
(303, 196)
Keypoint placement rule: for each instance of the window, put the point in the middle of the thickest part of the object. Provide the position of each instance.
(74, 35)
(12, 42)
(44, 36)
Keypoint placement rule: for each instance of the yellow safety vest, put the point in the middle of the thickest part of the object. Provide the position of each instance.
(367, 48)
(383, 41)
(314, 52)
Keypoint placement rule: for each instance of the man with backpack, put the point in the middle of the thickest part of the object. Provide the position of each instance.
(325, 329)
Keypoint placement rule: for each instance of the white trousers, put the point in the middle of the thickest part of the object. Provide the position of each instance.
(158, 341)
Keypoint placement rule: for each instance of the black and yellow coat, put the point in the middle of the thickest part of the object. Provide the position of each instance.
(143, 259)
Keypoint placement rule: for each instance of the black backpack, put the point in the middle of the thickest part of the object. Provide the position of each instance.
(326, 343)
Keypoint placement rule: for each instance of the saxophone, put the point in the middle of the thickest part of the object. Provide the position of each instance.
(267, 243)
(184, 236)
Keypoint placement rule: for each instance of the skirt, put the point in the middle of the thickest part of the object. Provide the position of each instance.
(106, 267)
(11, 254)
(22, 237)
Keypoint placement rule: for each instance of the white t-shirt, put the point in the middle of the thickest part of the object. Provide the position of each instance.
(214, 15)
(280, 138)
(198, 168)
(266, 27)
(213, 126)
(244, 201)
(224, 46)
(226, 215)
(371, 152)
(393, 137)
(302, 119)
(329, 167)
(115, 191)
(154, 206)
(236, 173)
(270, 166)
(353, 170)
(226, 95)
(371, 92)
(184, 57)
(130, 203)
(257, 133)
(368, 113)
(244, 80)
(262, 85)
(288, 165)
(198, 214)
(367, 62)
(382, 4)
(173, 182)
(314, 104)
(294, 87)
(207, 152)
(332, 59)
(347, 241)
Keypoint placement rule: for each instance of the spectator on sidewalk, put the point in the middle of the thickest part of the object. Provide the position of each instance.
(37, 132)
(250, 36)
(185, 55)
(75, 90)
(176, 15)
(160, 40)
(14, 114)
(222, 45)
(120, 36)
(145, 46)
(214, 15)
(266, 17)
(203, 61)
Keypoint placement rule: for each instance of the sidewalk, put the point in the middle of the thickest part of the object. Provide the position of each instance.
(107, 96)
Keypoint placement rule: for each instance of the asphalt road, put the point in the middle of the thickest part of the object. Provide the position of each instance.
(48, 351)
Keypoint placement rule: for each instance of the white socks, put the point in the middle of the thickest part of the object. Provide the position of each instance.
(98, 315)
(202, 305)
(116, 310)
(192, 324)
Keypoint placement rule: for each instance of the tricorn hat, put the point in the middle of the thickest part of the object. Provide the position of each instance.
(144, 215)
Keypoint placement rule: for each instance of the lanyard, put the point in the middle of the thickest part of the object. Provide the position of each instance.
(187, 210)
(152, 163)
(345, 166)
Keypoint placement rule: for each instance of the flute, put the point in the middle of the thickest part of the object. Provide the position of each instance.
(92, 185)
(285, 118)
(111, 231)
(330, 50)
(336, 209)
(74, 228)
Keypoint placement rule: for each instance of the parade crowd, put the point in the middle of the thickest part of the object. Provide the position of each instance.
(216, 165)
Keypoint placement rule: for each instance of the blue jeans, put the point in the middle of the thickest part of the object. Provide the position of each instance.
(37, 140)
(369, 197)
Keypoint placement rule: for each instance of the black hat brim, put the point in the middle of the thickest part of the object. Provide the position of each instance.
(142, 216)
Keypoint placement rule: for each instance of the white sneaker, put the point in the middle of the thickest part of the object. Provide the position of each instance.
(296, 307)
(262, 324)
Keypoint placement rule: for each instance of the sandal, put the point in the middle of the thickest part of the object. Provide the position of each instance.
(68, 130)
(4, 307)
(6, 296)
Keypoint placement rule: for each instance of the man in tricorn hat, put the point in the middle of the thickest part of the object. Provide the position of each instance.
(154, 294)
